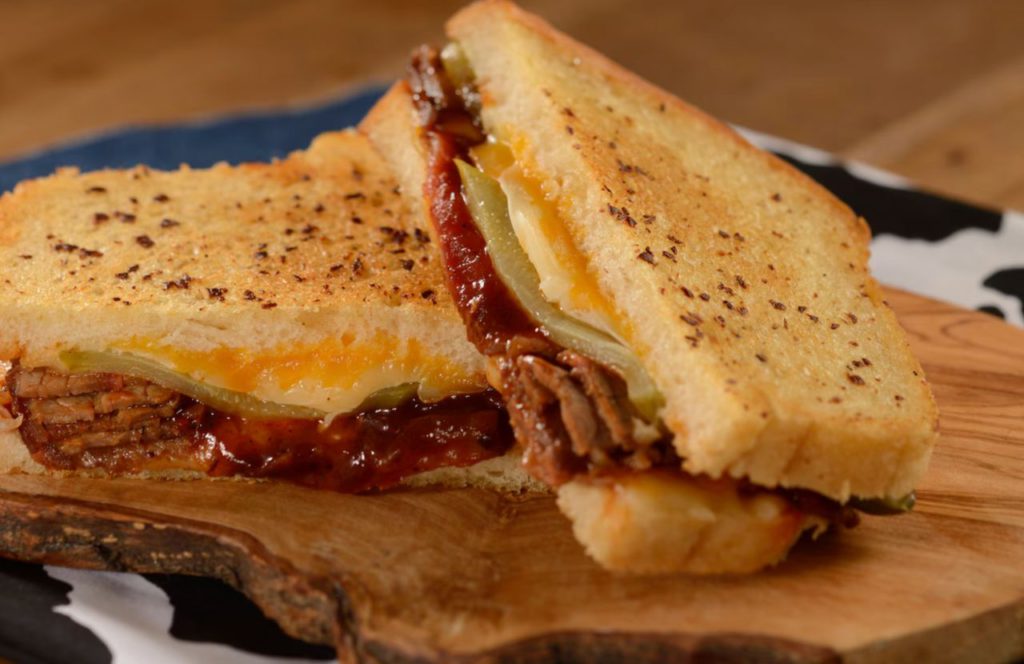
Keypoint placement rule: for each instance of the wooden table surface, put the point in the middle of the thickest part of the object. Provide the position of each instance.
(932, 89)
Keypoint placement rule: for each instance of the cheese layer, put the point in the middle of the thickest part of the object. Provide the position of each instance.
(565, 278)
(334, 376)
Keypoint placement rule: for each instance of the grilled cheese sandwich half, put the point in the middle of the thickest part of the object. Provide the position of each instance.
(285, 320)
(690, 337)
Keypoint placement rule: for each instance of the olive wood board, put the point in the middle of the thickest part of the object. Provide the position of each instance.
(467, 575)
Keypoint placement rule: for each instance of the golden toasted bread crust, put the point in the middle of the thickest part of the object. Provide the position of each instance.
(316, 247)
(744, 285)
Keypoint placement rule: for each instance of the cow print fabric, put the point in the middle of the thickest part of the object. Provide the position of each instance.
(964, 254)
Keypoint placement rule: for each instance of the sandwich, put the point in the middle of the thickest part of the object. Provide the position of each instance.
(281, 321)
(683, 328)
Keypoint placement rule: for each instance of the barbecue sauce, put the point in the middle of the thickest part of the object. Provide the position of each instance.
(492, 315)
(354, 453)
(374, 449)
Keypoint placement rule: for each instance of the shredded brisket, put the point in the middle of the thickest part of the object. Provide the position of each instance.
(70, 419)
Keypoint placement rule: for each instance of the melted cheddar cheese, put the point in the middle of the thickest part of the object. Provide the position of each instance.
(565, 276)
(334, 375)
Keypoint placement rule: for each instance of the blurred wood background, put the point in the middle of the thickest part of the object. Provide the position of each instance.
(931, 89)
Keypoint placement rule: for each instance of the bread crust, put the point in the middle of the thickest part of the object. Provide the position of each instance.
(314, 254)
(744, 285)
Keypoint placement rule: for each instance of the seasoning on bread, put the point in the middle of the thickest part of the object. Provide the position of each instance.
(678, 304)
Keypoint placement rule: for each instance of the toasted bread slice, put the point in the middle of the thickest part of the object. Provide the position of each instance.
(305, 281)
(741, 285)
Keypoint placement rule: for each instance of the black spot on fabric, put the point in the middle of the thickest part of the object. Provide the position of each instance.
(992, 310)
(904, 212)
(208, 611)
(30, 631)
(1009, 282)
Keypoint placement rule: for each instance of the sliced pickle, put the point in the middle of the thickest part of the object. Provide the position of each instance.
(884, 506)
(489, 208)
(457, 66)
(218, 397)
(389, 397)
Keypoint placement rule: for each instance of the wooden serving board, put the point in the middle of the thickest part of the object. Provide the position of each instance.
(471, 576)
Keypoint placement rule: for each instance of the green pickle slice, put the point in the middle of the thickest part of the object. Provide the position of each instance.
(488, 206)
(223, 399)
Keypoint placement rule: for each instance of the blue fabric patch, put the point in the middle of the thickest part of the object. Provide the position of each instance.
(234, 139)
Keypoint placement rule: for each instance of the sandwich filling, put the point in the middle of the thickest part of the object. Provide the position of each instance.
(120, 424)
(581, 405)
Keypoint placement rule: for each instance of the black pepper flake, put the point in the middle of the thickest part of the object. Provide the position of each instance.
(761, 357)
(249, 295)
(268, 305)
(725, 289)
(801, 308)
(144, 241)
(777, 305)
(395, 235)
(776, 197)
(96, 190)
(100, 217)
(319, 208)
(854, 379)
(421, 236)
(355, 195)
(261, 254)
(124, 275)
(728, 305)
(216, 293)
(622, 214)
(568, 111)
(649, 219)
(161, 198)
(724, 234)
(898, 397)
(741, 282)
(336, 267)
(298, 277)
(669, 255)
(25, 257)
(169, 223)
(834, 326)
(743, 311)
(850, 317)
(691, 318)
(65, 247)
(357, 266)
(125, 217)
(357, 220)
(705, 297)
(674, 239)
(289, 231)
(428, 294)
(646, 255)
(814, 319)
(686, 291)
(569, 130)
(407, 264)
(90, 253)
(181, 283)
